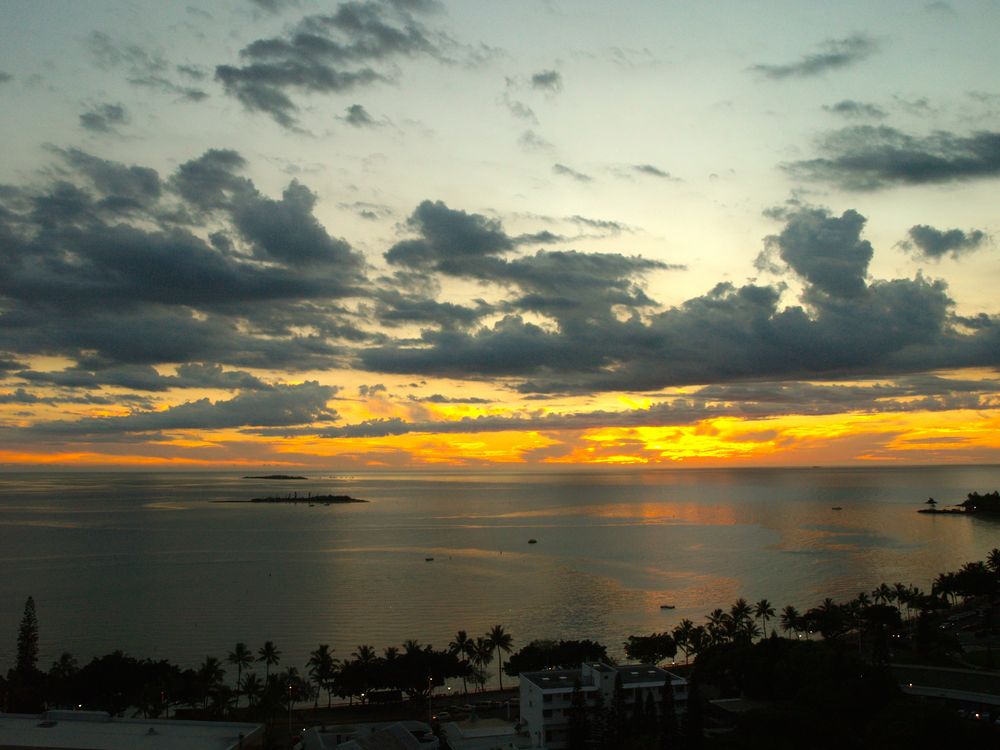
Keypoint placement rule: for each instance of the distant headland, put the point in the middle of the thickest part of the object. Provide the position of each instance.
(987, 504)
(275, 476)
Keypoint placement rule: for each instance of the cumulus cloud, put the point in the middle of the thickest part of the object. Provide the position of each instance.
(833, 54)
(350, 48)
(849, 324)
(934, 244)
(116, 263)
(869, 158)
(827, 251)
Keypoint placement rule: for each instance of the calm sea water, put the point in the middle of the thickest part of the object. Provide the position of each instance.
(148, 563)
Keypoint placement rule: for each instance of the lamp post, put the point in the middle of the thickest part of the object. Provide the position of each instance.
(430, 692)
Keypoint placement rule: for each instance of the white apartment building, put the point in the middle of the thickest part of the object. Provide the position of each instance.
(546, 697)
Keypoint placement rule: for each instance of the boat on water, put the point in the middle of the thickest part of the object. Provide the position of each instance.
(668, 606)
(428, 559)
(836, 507)
(532, 541)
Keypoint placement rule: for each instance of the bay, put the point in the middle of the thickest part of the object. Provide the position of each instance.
(149, 563)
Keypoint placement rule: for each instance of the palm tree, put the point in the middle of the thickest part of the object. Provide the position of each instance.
(482, 655)
(241, 658)
(716, 625)
(741, 612)
(502, 642)
(461, 647)
(210, 674)
(252, 686)
(765, 612)
(993, 560)
(682, 637)
(883, 594)
(790, 619)
(270, 655)
(322, 667)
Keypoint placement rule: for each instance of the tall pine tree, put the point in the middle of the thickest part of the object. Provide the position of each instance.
(27, 641)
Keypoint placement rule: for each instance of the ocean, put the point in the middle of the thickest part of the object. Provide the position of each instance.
(150, 564)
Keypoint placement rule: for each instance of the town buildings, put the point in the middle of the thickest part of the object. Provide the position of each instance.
(547, 696)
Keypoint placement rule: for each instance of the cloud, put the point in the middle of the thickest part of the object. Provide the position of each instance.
(651, 171)
(562, 169)
(449, 238)
(848, 324)
(104, 118)
(142, 67)
(833, 54)
(869, 158)
(147, 378)
(531, 141)
(931, 243)
(366, 210)
(358, 117)
(826, 251)
(350, 48)
(283, 405)
(852, 109)
(5, 77)
(118, 264)
(547, 80)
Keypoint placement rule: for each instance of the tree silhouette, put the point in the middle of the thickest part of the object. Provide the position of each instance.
(241, 658)
(270, 655)
(27, 640)
(462, 647)
(500, 641)
(763, 611)
(322, 668)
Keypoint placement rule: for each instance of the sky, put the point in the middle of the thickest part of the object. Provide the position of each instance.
(408, 234)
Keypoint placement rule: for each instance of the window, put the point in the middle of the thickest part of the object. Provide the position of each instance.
(547, 698)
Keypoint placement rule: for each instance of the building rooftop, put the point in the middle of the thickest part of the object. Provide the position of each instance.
(553, 678)
(95, 730)
(634, 674)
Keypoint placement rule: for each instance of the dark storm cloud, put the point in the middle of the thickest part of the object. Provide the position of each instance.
(733, 333)
(562, 169)
(104, 118)
(282, 405)
(833, 54)
(142, 67)
(934, 243)
(350, 48)
(854, 110)
(358, 117)
(369, 391)
(113, 262)
(868, 158)
(547, 80)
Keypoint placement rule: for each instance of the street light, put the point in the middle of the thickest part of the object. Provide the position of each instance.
(430, 692)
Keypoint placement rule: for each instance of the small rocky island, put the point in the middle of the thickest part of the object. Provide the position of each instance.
(987, 504)
(296, 498)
